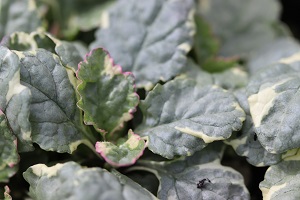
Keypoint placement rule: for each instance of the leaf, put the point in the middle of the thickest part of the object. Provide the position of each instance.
(123, 154)
(181, 118)
(272, 53)
(4, 193)
(80, 15)
(245, 142)
(273, 100)
(70, 53)
(282, 180)
(108, 96)
(230, 79)
(150, 39)
(242, 26)
(54, 117)
(18, 16)
(206, 47)
(9, 157)
(179, 179)
(71, 181)
(15, 99)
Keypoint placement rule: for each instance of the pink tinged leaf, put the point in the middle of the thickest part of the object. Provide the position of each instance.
(124, 154)
(108, 96)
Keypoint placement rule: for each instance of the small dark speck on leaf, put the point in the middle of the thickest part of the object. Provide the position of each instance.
(201, 183)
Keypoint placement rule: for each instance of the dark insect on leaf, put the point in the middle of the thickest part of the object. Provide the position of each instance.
(201, 183)
(255, 137)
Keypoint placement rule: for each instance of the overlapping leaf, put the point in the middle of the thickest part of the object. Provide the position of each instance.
(245, 142)
(242, 26)
(15, 98)
(272, 53)
(148, 38)
(71, 181)
(181, 118)
(282, 180)
(179, 179)
(274, 105)
(108, 96)
(123, 154)
(9, 157)
(230, 79)
(54, 117)
(70, 53)
(18, 16)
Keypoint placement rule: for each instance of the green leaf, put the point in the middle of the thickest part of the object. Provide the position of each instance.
(71, 181)
(179, 179)
(206, 45)
(181, 118)
(80, 15)
(150, 39)
(54, 116)
(274, 103)
(123, 154)
(9, 157)
(18, 16)
(108, 96)
(242, 26)
(282, 180)
(245, 142)
(15, 99)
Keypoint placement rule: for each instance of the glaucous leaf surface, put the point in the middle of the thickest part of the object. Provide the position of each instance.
(281, 181)
(272, 53)
(15, 99)
(54, 116)
(274, 105)
(149, 38)
(9, 157)
(18, 16)
(181, 118)
(123, 154)
(245, 142)
(179, 178)
(71, 181)
(230, 79)
(242, 26)
(108, 96)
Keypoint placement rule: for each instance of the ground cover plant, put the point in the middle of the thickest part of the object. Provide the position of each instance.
(156, 99)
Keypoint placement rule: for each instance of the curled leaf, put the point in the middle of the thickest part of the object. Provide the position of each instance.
(123, 154)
